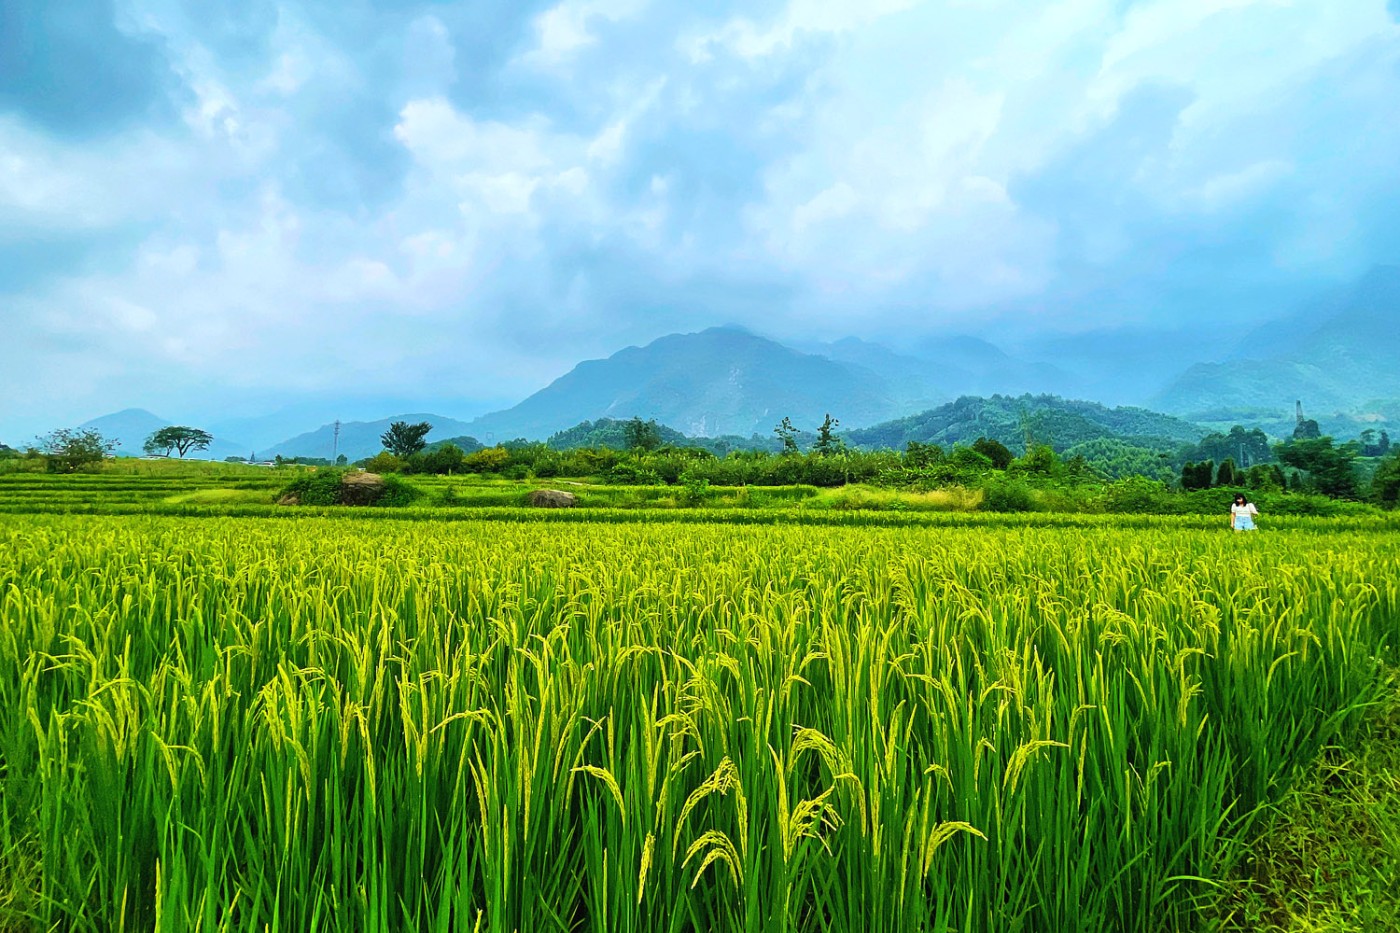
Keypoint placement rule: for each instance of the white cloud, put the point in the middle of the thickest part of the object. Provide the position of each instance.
(1229, 188)
(745, 38)
(563, 30)
(860, 159)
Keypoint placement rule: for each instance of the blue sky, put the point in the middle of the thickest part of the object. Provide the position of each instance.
(207, 208)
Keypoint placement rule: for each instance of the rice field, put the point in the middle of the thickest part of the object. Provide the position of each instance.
(225, 723)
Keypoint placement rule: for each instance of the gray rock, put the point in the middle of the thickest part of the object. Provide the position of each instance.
(552, 499)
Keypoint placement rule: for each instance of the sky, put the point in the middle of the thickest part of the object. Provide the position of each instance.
(213, 209)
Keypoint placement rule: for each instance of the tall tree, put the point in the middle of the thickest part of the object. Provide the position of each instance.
(1331, 470)
(787, 434)
(177, 438)
(642, 435)
(1000, 455)
(1385, 485)
(1226, 475)
(404, 439)
(827, 441)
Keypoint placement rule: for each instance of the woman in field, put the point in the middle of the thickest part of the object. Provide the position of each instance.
(1242, 513)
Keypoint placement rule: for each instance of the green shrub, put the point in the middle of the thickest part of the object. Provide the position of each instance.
(630, 474)
(327, 487)
(1136, 495)
(316, 487)
(385, 462)
(1008, 495)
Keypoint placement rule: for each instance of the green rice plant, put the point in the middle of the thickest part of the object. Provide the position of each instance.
(814, 721)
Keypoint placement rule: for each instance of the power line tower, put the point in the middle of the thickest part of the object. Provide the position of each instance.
(335, 445)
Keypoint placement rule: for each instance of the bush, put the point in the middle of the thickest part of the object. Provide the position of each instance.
(385, 462)
(490, 460)
(444, 460)
(1136, 495)
(397, 492)
(1007, 495)
(319, 487)
(328, 487)
(695, 490)
(631, 474)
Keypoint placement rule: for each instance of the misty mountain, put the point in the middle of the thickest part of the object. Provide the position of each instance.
(359, 439)
(132, 426)
(1341, 354)
(718, 381)
(1119, 366)
(973, 366)
(1046, 419)
(912, 384)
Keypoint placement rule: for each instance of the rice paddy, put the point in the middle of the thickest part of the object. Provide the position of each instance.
(224, 723)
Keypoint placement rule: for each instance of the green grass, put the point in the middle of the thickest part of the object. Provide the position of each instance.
(1328, 858)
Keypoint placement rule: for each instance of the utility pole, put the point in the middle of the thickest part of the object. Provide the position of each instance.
(335, 446)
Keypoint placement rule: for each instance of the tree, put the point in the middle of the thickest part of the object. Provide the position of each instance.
(1385, 485)
(827, 441)
(919, 456)
(1245, 448)
(178, 438)
(1307, 429)
(1227, 475)
(1198, 475)
(490, 460)
(404, 439)
(1038, 460)
(1372, 446)
(787, 434)
(68, 449)
(642, 435)
(995, 451)
(1265, 476)
(1331, 470)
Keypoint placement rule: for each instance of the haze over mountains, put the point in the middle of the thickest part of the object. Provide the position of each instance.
(1339, 354)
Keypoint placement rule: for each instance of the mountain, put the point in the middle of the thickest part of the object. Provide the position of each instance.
(1338, 355)
(359, 439)
(132, 426)
(719, 381)
(1118, 365)
(1048, 419)
(973, 366)
(912, 384)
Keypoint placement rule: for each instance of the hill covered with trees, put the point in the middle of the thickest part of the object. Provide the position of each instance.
(1038, 419)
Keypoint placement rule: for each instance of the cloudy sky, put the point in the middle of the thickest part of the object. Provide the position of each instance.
(217, 206)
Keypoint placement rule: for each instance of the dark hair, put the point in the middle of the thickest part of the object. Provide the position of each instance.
(1240, 495)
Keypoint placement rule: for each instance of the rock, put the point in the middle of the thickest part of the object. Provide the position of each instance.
(289, 499)
(361, 488)
(552, 499)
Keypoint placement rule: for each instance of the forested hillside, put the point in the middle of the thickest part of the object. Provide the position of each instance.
(1043, 419)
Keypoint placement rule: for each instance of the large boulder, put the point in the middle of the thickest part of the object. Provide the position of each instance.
(361, 488)
(552, 499)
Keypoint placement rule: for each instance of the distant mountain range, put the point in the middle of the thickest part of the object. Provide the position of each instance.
(132, 426)
(1340, 355)
(359, 439)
